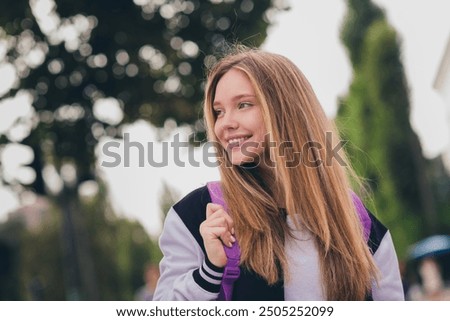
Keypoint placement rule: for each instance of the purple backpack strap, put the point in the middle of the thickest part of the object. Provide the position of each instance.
(232, 271)
(363, 215)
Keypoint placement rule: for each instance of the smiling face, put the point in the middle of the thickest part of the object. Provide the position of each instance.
(239, 124)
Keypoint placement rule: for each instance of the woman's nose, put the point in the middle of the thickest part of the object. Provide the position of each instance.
(230, 121)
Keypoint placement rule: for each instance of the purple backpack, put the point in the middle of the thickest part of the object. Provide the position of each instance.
(232, 271)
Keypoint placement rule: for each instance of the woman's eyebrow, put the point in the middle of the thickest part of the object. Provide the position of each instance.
(237, 97)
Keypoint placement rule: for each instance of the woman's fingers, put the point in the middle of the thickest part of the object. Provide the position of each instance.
(220, 221)
(215, 211)
(218, 233)
(217, 230)
(212, 208)
(218, 227)
(228, 239)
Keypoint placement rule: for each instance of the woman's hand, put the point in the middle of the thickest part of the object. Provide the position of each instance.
(216, 231)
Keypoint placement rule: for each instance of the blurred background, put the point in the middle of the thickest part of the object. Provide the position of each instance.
(77, 76)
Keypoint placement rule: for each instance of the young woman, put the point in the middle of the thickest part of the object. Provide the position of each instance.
(288, 193)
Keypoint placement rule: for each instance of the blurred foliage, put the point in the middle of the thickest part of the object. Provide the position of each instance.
(360, 16)
(374, 117)
(10, 233)
(32, 263)
(169, 196)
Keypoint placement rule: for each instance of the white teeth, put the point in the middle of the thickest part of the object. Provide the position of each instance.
(237, 140)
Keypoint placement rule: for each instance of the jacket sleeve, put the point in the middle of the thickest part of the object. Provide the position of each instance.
(185, 273)
(389, 286)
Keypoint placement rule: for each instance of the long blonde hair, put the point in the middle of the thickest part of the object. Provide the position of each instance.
(316, 197)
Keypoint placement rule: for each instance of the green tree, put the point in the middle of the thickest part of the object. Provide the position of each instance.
(32, 262)
(120, 247)
(150, 57)
(374, 116)
(9, 260)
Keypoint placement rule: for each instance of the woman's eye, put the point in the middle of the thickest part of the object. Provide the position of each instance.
(218, 112)
(245, 104)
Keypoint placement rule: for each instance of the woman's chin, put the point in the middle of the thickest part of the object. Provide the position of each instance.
(243, 160)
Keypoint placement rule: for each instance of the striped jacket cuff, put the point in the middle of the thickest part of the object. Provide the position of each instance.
(209, 276)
